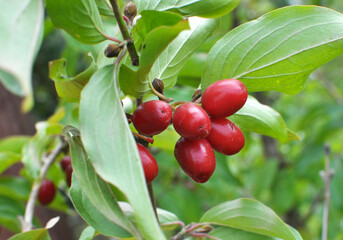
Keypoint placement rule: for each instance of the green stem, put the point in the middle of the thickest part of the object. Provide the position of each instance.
(125, 33)
(152, 199)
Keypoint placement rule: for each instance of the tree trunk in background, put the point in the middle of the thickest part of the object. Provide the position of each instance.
(14, 122)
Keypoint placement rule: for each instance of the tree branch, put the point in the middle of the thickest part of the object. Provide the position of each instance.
(30, 207)
(125, 33)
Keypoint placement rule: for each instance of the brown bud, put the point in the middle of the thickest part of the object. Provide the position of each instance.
(196, 95)
(130, 11)
(158, 85)
(112, 50)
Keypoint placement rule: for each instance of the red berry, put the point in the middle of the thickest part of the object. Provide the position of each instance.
(47, 192)
(65, 162)
(69, 172)
(153, 117)
(223, 98)
(196, 158)
(149, 163)
(191, 121)
(226, 137)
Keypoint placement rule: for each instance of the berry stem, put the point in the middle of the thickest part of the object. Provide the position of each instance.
(30, 206)
(125, 33)
(148, 139)
(161, 96)
(152, 199)
(178, 103)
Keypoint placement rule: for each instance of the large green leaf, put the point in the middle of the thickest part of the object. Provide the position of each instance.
(97, 191)
(80, 18)
(69, 87)
(13, 144)
(104, 7)
(178, 52)
(37, 234)
(88, 233)
(7, 159)
(21, 24)
(10, 210)
(134, 80)
(235, 234)
(262, 119)
(111, 147)
(279, 50)
(92, 216)
(15, 187)
(201, 8)
(249, 215)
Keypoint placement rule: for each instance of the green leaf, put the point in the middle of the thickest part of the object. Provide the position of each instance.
(21, 33)
(201, 8)
(97, 191)
(175, 56)
(10, 210)
(88, 233)
(37, 234)
(134, 80)
(7, 159)
(15, 187)
(261, 119)
(103, 6)
(79, 18)
(248, 215)
(69, 87)
(223, 233)
(111, 147)
(91, 215)
(278, 51)
(13, 144)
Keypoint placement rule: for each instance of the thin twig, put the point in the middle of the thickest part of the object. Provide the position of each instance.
(148, 139)
(125, 33)
(327, 176)
(161, 96)
(30, 207)
(152, 199)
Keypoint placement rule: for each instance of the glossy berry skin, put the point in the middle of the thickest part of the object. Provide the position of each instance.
(226, 137)
(196, 158)
(69, 172)
(152, 117)
(149, 163)
(191, 121)
(65, 162)
(224, 97)
(47, 192)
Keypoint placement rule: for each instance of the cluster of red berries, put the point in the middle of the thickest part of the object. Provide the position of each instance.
(47, 190)
(202, 129)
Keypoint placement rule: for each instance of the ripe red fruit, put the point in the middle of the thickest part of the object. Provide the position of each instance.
(69, 172)
(191, 121)
(47, 192)
(225, 137)
(65, 162)
(153, 117)
(149, 163)
(196, 158)
(223, 98)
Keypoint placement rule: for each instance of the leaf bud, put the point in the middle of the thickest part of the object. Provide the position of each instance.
(112, 50)
(158, 85)
(130, 11)
(196, 95)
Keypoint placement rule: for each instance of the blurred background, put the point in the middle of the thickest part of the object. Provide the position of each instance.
(285, 176)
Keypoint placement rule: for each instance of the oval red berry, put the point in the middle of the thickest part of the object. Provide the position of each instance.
(152, 117)
(149, 163)
(224, 98)
(191, 121)
(47, 192)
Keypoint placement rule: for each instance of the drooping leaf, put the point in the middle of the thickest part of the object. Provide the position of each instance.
(37, 234)
(92, 216)
(175, 56)
(21, 24)
(7, 159)
(279, 50)
(261, 119)
(249, 215)
(97, 191)
(201, 8)
(111, 147)
(69, 87)
(134, 80)
(13, 144)
(79, 18)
